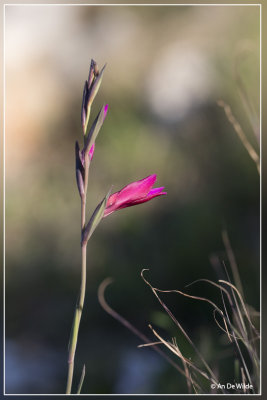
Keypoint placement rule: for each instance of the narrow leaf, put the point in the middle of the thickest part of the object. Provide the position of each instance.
(95, 219)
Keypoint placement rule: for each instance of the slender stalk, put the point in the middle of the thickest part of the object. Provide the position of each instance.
(83, 159)
(79, 305)
(83, 204)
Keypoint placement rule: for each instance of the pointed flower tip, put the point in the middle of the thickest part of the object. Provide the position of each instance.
(153, 178)
(156, 191)
(148, 181)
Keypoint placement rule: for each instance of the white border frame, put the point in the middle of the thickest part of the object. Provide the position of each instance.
(260, 93)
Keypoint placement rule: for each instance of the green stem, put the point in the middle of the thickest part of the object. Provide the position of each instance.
(79, 306)
(76, 322)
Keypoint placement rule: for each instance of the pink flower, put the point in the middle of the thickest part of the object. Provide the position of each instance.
(132, 194)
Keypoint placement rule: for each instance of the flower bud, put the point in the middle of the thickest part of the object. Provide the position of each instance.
(95, 128)
(90, 90)
(79, 169)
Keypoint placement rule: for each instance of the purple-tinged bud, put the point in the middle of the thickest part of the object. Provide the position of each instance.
(84, 106)
(79, 169)
(90, 90)
(95, 86)
(96, 70)
(98, 122)
(92, 74)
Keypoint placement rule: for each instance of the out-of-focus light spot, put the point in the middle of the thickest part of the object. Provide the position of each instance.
(179, 80)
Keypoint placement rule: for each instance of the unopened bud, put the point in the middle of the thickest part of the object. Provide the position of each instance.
(79, 169)
(90, 90)
(95, 128)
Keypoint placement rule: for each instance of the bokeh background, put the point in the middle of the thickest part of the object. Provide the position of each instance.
(166, 69)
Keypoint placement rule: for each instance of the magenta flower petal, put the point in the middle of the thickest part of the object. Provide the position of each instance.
(136, 190)
(156, 191)
(135, 193)
(153, 193)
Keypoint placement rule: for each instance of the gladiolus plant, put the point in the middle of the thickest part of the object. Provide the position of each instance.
(135, 193)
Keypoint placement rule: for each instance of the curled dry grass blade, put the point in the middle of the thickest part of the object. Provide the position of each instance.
(186, 370)
(233, 333)
(236, 334)
(238, 326)
(174, 349)
(241, 301)
(212, 377)
(228, 296)
(237, 345)
(247, 339)
(101, 297)
(249, 342)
